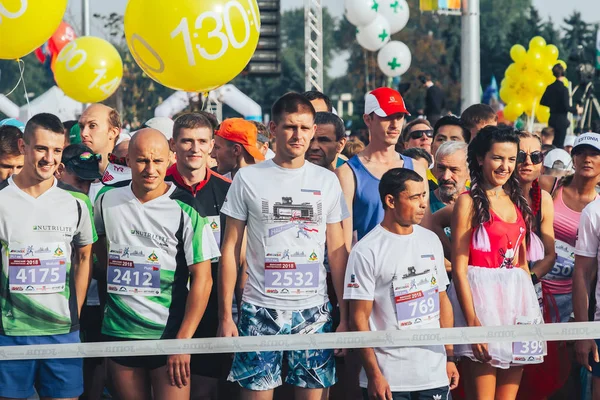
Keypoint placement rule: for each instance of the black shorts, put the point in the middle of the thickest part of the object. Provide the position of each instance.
(146, 362)
(90, 324)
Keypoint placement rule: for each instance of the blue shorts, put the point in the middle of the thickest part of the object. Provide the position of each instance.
(313, 369)
(58, 378)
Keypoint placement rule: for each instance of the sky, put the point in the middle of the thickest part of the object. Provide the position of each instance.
(555, 9)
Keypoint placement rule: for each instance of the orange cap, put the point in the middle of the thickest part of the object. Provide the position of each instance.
(243, 132)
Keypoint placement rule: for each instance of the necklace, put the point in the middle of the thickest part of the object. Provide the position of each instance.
(495, 192)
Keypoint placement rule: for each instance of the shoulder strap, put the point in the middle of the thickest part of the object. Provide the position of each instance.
(408, 162)
(554, 186)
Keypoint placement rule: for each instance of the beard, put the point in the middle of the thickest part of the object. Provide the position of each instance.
(448, 193)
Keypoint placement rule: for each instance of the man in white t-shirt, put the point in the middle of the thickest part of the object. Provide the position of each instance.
(587, 256)
(396, 280)
(290, 207)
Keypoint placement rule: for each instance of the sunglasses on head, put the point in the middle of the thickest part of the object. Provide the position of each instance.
(536, 157)
(117, 160)
(85, 157)
(419, 134)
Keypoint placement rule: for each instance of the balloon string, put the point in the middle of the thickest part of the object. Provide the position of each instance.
(205, 102)
(21, 70)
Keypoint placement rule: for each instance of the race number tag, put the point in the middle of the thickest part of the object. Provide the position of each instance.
(531, 352)
(37, 268)
(565, 261)
(133, 270)
(417, 297)
(291, 272)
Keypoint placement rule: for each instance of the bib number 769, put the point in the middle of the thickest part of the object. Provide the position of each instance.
(423, 306)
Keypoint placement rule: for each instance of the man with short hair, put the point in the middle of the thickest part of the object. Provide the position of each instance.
(360, 176)
(547, 135)
(328, 142)
(235, 146)
(478, 116)
(46, 236)
(288, 223)
(100, 127)
(11, 159)
(449, 128)
(263, 139)
(205, 191)
(78, 167)
(157, 246)
(401, 257)
(320, 101)
(451, 172)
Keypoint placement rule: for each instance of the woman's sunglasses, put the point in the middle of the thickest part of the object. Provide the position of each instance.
(419, 134)
(536, 157)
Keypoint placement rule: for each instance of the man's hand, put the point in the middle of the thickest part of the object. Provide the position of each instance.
(227, 328)
(583, 348)
(453, 375)
(379, 389)
(579, 109)
(342, 327)
(178, 368)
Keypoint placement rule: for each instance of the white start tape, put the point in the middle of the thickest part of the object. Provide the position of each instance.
(396, 338)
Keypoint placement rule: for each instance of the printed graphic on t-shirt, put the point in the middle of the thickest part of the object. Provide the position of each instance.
(416, 294)
(293, 256)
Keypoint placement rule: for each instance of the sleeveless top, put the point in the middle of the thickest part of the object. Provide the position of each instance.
(566, 222)
(504, 238)
(367, 211)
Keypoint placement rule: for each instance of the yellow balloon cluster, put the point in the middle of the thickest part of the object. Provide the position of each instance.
(526, 79)
(88, 69)
(192, 45)
(26, 24)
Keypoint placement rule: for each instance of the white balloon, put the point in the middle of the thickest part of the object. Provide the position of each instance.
(396, 12)
(394, 58)
(361, 12)
(375, 35)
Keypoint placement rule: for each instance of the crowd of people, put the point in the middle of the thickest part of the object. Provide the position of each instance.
(199, 228)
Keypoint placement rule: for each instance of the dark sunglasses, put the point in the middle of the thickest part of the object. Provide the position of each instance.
(117, 160)
(536, 157)
(419, 134)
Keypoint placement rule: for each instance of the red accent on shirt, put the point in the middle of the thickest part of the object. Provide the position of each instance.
(174, 172)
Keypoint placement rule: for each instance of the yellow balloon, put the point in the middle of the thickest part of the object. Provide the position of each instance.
(506, 94)
(192, 45)
(518, 53)
(513, 110)
(537, 42)
(551, 53)
(512, 72)
(88, 69)
(26, 24)
(543, 114)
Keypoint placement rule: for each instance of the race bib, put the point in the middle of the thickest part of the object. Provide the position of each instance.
(37, 268)
(214, 222)
(133, 270)
(417, 298)
(565, 261)
(291, 272)
(531, 352)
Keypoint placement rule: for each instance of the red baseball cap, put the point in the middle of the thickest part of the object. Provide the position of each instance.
(243, 132)
(385, 102)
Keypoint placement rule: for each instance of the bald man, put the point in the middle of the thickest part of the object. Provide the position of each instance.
(156, 245)
(100, 127)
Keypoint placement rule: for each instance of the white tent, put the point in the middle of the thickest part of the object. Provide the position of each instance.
(54, 101)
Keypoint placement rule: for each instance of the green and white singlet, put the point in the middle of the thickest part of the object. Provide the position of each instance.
(150, 248)
(37, 285)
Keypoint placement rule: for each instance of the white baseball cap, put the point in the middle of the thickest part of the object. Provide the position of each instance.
(587, 139)
(384, 102)
(162, 124)
(558, 159)
(569, 141)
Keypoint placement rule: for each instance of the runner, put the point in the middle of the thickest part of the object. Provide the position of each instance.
(100, 127)
(11, 159)
(492, 284)
(49, 227)
(477, 117)
(402, 256)
(78, 167)
(448, 128)
(418, 133)
(328, 142)
(205, 191)
(153, 243)
(359, 177)
(571, 195)
(306, 199)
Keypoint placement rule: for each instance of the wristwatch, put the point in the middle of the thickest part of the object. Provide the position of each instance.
(453, 359)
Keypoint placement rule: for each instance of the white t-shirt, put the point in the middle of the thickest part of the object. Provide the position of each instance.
(377, 261)
(286, 212)
(588, 240)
